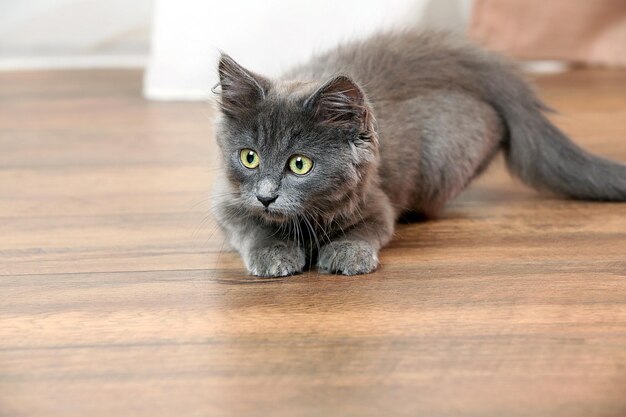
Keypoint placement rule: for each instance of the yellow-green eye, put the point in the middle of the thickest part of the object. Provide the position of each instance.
(299, 164)
(249, 158)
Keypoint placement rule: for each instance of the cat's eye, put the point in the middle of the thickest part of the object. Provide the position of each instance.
(300, 164)
(249, 158)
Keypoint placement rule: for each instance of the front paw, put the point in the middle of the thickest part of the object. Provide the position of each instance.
(277, 260)
(348, 258)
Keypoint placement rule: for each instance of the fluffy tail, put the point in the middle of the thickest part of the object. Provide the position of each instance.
(537, 151)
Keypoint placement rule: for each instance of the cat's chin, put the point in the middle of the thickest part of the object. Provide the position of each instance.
(273, 216)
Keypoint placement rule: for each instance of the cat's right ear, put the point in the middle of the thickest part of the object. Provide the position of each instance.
(241, 90)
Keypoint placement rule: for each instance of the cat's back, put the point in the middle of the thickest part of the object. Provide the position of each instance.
(396, 65)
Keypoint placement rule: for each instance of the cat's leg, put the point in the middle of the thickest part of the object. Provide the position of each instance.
(264, 251)
(355, 251)
(268, 257)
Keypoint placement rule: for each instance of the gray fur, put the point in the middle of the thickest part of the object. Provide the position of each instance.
(395, 124)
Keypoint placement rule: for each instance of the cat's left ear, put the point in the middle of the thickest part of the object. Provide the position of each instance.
(339, 102)
(241, 90)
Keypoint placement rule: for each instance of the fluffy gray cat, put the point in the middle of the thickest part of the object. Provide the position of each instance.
(320, 163)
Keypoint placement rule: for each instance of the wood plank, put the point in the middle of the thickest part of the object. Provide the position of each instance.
(119, 299)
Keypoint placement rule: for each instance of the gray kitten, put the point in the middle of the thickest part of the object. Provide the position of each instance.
(320, 163)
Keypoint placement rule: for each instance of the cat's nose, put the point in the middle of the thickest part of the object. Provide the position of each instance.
(266, 201)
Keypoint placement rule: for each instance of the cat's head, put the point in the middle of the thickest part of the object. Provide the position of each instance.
(294, 149)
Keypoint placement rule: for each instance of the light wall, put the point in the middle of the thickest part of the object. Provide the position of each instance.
(71, 33)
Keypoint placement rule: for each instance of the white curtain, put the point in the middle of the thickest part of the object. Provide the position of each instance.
(269, 36)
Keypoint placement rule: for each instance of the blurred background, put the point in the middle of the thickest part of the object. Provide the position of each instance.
(177, 42)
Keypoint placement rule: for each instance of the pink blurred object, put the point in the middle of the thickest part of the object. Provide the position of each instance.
(579, 31)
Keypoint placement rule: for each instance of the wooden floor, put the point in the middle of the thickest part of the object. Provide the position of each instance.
(117, 299)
